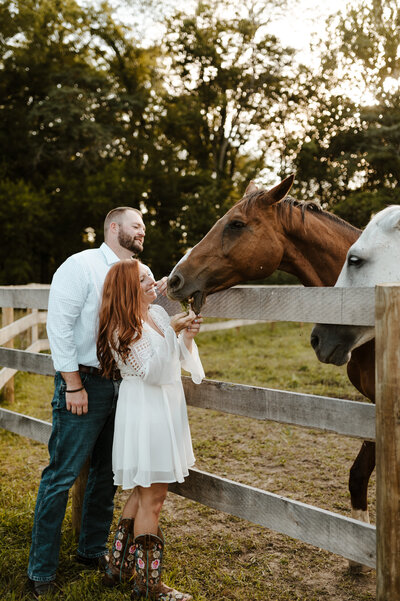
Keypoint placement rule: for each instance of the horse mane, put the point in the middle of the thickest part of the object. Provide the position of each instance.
(303, 205)
(288, 203)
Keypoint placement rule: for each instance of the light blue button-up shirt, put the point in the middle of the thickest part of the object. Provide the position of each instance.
(74, 303)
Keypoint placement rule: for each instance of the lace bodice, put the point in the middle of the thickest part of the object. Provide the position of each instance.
(157, 358)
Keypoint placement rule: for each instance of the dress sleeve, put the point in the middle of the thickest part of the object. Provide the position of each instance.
(191, 361)
(156, 365)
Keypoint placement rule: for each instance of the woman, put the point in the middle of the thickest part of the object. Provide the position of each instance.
(152, 443)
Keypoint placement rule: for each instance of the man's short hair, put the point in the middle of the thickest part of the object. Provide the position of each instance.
(116, 216)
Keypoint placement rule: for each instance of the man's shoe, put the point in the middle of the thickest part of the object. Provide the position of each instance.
(40, 589)
(94, 563)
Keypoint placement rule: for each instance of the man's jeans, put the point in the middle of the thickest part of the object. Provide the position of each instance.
(74, 438)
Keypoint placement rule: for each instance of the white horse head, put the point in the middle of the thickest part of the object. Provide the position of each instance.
(373, 259)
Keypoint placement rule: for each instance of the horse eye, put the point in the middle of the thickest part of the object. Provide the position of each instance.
(236, 224)
(354, 261)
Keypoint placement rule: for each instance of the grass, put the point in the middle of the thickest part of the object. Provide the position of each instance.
(214, 556)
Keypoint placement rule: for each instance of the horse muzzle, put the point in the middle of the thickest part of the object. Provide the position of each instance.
(330, 345)
(178, 290)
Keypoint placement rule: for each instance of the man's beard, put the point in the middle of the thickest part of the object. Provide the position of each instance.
(129, 242)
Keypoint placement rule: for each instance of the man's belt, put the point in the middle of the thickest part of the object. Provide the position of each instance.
(95, 371)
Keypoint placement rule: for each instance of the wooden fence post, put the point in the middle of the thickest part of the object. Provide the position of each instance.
(35, 328)
(78, 492)
(387, 331)
(7, 318)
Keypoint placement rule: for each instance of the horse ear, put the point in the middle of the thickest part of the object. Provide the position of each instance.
(281, 190)
(251, 188)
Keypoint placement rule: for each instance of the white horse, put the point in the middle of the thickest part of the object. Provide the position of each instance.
(373, 259)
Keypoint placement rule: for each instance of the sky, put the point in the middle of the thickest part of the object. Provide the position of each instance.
(303, 19)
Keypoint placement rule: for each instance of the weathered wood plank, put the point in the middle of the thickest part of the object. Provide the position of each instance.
(324, 413)
(227, 325)
(27, 361)
(32, 296)
(265, 303)
(388, 440)
(17, 327)
(42, 344)
(338, 534)
(77, 497)
(348, 418)
(24, 425)
(289, 303)
(7, 315)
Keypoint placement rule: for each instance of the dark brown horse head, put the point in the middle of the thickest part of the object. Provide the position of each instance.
(231, 251)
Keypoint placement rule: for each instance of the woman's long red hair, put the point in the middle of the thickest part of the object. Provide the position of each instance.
(120, 318)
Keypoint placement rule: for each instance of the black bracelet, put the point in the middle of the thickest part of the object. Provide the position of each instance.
(76, 389)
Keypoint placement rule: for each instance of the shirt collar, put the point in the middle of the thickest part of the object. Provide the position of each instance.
(109, 254)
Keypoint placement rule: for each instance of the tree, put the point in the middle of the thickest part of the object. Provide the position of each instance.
(350, 154)
(75, 92)
(26, 233)
(224, 80)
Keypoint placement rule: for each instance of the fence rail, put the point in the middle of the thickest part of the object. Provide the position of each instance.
(330, 531)
(329, 414)
(262, 303)
(339, 534)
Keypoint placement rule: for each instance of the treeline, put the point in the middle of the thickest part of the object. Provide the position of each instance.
(92, 118)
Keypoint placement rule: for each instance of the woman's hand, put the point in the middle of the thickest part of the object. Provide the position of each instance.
(194, 327)
(191, 331)
(161, 286)
(181, 321)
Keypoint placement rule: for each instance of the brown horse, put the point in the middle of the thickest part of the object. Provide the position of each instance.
(265, 231)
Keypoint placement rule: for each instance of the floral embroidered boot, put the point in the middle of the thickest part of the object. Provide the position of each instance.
(147, 577)
(122, 557)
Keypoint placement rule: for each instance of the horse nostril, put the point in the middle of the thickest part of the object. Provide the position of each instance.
(314, 341)
(176, 282)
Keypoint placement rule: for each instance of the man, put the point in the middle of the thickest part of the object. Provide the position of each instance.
(83, 403)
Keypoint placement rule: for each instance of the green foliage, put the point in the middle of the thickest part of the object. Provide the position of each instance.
(26, 232)
(74, 92)
(92, 118)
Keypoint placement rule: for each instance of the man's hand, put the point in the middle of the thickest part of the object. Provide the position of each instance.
(162, 286)
(76, 402)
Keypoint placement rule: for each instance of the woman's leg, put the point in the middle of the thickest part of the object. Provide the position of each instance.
(149, 504)
(131, 506)
(149, 542)
(122, 557)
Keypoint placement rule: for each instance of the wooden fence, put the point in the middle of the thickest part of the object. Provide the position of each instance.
(344, 536)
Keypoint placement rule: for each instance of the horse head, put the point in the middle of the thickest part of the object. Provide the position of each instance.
(373, 259)
(231, 251)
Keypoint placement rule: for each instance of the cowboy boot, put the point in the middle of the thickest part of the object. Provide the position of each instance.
(147, 582)
(122, 557)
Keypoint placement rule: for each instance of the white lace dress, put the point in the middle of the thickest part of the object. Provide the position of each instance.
(152, 440)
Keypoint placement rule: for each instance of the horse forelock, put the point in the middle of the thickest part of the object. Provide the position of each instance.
(249, 201)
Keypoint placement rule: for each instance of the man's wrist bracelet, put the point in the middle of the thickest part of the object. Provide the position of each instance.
(76, 389)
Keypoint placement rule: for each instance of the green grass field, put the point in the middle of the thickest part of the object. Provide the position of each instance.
(214, 556)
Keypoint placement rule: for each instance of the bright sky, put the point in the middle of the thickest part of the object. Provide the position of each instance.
(304, 18)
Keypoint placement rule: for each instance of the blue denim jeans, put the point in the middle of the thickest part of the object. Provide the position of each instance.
(74, 438)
